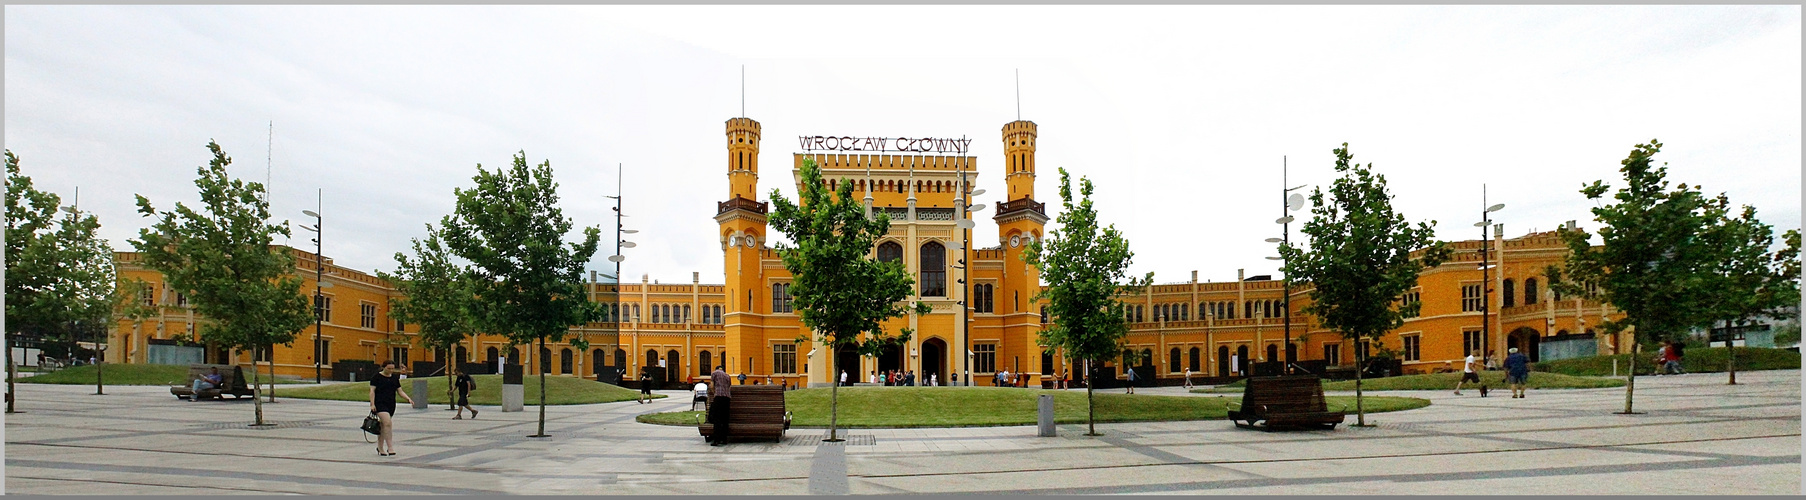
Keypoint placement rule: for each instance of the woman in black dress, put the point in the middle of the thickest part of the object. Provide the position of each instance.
(645, 386)
(383, 388)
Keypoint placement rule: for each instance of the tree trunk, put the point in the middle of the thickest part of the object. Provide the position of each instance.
(1360, 411)
(450, 391)
(272, 350)
(542, 389)
(98, 391)
(833, 398)
(11, 372)
(256, 387)
(1090, 400)
(1630, 380)
(1730, 364)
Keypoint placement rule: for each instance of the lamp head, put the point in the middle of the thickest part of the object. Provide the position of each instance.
(977, 192)
(1274, 240)
(1496, 207)
(310, 213)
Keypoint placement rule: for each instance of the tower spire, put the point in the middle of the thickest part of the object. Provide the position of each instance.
(1018, 94)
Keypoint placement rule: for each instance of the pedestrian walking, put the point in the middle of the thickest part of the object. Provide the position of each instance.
(465, 385)
(1469, 371)
(934, 380)
(383, 388)
(843, 377)
(645, 385)
(1131, 383)
(1188, 378)
(718, 405)
(1517, 371)
(1673, 361)
(1661, 359)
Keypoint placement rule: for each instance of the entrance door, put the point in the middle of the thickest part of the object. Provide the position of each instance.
(1241, 356)
(847, 360)
(1222, 361)
(890, 359)
(934, 360)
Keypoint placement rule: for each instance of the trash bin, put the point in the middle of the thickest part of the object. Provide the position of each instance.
(1045, 412)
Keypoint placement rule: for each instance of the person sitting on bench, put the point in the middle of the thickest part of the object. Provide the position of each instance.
(208, 381)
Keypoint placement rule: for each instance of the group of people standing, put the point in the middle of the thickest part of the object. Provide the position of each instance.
(899, 378)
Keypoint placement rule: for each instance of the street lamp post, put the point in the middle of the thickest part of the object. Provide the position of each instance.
(319, 275)
(1485, 269)
(617, 258)
(965, 225)
(1289, 202)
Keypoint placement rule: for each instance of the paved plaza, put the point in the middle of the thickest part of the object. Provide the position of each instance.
(1698, 436)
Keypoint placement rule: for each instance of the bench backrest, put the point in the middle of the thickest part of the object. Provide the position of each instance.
(1295, 393)
(231, 376)
(756, 402)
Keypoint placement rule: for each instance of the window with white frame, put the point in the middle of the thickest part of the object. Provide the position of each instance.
(783, 358)
(984, 358)
(366, 315)
(1411, 344)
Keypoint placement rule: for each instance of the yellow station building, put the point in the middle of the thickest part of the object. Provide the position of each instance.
(983, 317)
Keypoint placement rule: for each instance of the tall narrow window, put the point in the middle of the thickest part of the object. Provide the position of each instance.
(1172, 362)
(1470, 298)
(1471, 342)
(1332, 353)
(780, 298)
(1508, 292)
(1529, 291)
(704, 366)
(984, 358)
(1412, 344)
(934, 270)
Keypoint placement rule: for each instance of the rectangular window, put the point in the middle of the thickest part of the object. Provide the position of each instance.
(400, 356)
(984, 358)
(1412, 297)
(366, 316)
(325, 309)
(1332, 353)
(181, 299)
(1411, 346)
(1470, 298)
(399, 326)
(262, 354)
(148, 297)
(934, 283)
(1362, 350)
(783, 358)
(323, 351)
(1471, 342)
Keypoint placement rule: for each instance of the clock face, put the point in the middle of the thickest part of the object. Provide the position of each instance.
(1015, 241)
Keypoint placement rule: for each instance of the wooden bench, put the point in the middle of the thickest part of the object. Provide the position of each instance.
(755, 412)
(232, 381)
(1284, 401)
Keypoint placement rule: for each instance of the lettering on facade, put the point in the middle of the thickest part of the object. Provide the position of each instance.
(885, 144)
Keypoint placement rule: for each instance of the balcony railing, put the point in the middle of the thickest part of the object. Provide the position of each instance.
(739, 203)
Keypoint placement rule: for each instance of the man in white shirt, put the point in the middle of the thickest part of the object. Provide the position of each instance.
(1188, 378)
(1469, 371)
(843, 377)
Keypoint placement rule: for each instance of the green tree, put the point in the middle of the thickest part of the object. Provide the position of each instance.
(434, 293)
(30, 214)
(1363, 257)
(527, 280)
(223, 257)
(84, 282)
(841, 292)
(1753, 279)
(1086, 270)
(1657, 260)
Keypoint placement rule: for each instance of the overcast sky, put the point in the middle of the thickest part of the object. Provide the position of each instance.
(1181, 115)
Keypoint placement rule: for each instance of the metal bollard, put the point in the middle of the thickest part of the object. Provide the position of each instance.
(1046, 415)
(419, 394)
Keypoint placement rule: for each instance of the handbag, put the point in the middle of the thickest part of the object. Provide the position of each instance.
(372, 425)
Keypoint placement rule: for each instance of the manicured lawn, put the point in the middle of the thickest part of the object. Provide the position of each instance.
(987, 406)
(1446, 381)
(1696, 360)
(559, 391)
(130, 374)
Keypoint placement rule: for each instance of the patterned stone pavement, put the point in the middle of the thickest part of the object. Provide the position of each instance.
(1698, 436)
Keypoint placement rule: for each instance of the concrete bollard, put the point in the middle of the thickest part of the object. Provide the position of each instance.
(1045, 412)
(514, 397)
(419, 394)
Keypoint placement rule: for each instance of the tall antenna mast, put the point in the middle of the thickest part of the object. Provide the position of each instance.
(1018, 94)
(743, 91)
(268, 153)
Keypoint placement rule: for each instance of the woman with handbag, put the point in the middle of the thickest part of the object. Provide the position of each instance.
(383, 388)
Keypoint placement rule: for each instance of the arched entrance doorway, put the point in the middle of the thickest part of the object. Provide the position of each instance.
(846, 360)
(1526, 340)
(934, 360)
(1222, 361)
(891, 358)
(1241, 356)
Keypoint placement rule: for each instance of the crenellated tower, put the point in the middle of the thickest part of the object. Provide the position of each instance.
(1019, 159)
(1020, 221)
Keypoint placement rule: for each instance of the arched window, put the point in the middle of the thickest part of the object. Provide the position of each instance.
(545, 360)
(1184, 312)
(674, 365)
(934, 270)
(493, 353)
(636, 313)
(460, 356)
(1172, 361)
(890, 251)
(705, 363)
(565, 361)
(514, 356)
(1147, 357)
(596, 361)
(780, 298)
(1195, 354)
(621, 358)
(685, 317)
(1272, 352)
(1508, 291)
(1529, 291)
(1139, 318)
(651, 360)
